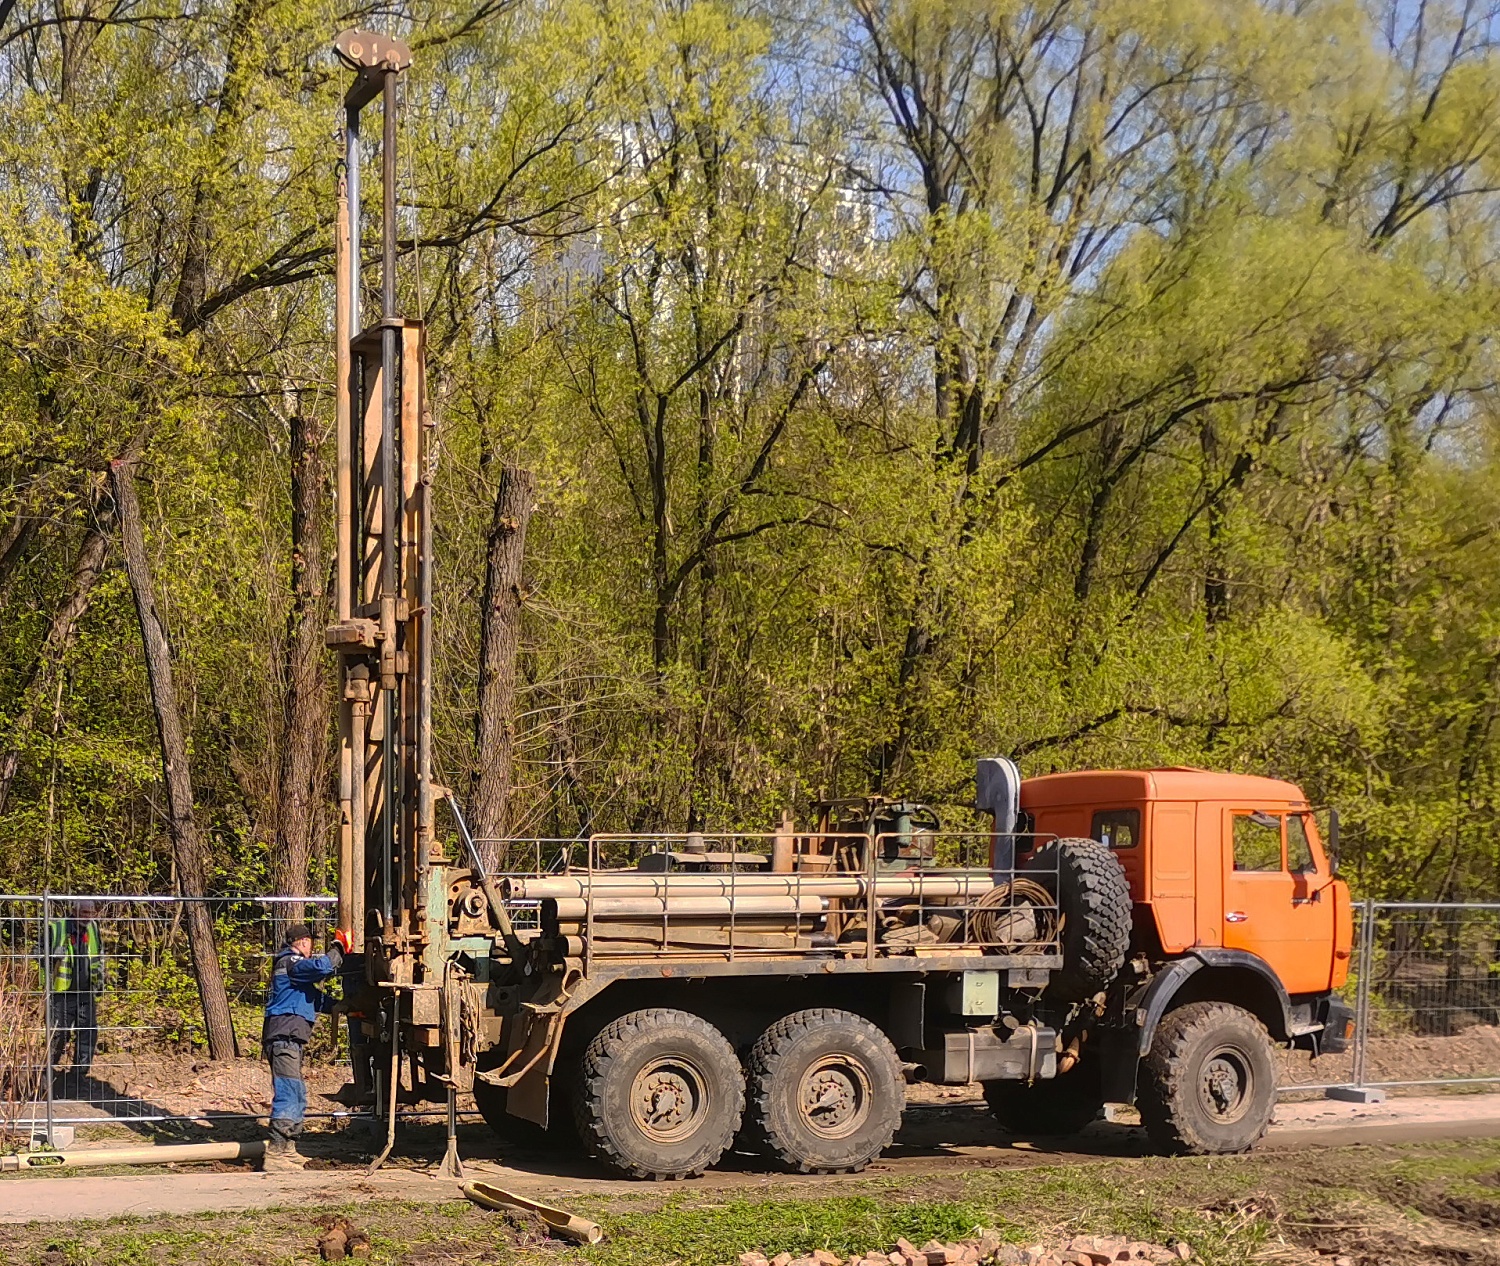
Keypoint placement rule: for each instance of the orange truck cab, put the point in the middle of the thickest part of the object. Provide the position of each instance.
(1235, 899)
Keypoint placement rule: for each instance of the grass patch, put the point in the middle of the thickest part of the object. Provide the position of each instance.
(697, 1233)
(1233, 1211)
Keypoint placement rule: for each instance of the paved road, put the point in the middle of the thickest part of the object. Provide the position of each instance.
(957, 1135)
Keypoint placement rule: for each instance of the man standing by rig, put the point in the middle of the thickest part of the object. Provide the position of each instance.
(292, 1004)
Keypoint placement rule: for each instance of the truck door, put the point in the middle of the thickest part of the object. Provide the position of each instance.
(1276, 901)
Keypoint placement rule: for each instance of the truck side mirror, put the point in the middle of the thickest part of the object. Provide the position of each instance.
(1333, 841)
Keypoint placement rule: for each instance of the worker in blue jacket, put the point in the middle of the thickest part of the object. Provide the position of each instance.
(293, 1002)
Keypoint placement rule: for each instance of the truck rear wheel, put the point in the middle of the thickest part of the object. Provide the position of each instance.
(1209, 1082)
(660, 1094)
(825, 1092)
(1053, 1108)
(1093, 900)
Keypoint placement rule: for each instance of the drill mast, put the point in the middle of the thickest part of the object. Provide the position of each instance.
(383, 630)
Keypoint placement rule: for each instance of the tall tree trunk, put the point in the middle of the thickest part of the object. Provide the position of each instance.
(661, 537)
(188, 849)
(566, 758)
(499, 643)
(87, 566)
(192, 280)
(304, 711)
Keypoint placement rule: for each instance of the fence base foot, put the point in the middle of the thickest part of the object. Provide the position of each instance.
(60, 1137)
(1355, 1094)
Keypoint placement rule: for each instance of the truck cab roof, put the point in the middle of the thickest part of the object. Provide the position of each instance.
(1177, 782)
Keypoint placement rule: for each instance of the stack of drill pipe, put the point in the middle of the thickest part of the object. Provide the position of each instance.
(685, 922)
(757, 910)
(613, 907)
(741, 888)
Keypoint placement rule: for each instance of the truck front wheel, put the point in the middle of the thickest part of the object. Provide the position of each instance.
(1209, 1083)
(826, 1094)
(660, 1094)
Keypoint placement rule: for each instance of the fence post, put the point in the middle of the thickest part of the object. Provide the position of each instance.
(1362, 994)
(45, 964)
(1356, 1091)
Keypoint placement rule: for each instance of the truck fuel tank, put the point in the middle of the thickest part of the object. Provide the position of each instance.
(1028, 1053)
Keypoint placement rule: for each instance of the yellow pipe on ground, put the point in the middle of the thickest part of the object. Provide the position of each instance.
(153, 1154)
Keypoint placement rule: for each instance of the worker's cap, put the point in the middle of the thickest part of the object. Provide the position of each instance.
(298, 932)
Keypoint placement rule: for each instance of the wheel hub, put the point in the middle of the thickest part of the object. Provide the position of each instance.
(834, 1097)
(669, 1099)
(1225, 1085)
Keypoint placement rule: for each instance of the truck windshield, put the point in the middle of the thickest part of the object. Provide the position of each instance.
(1299, 855)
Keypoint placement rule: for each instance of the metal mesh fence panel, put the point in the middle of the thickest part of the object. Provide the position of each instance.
(1425, 984)
(100, 1014)
(23, 1037)
(1429, 995)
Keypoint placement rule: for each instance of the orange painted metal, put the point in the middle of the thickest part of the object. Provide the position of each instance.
(1181, 864)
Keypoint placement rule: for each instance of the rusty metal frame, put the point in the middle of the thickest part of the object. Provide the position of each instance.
(383, 581)
(381, 630)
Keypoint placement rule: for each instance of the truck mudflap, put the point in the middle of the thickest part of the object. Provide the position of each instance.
(533, 1038)
(1337, 1032)
(1119, 1063)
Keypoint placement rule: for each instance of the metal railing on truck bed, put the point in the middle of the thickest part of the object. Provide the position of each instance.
(894, 901)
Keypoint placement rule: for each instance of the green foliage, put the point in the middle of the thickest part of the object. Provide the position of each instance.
(1107, 384)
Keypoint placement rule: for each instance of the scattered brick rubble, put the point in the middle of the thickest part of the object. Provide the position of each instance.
(341, 1239)
(988, 1249)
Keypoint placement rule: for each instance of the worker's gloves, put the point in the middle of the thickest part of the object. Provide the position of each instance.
(338, 948)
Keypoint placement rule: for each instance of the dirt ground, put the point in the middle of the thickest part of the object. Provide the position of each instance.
(136, 1084)
(181, 1085)
(186, 1085)
(1474, 1052)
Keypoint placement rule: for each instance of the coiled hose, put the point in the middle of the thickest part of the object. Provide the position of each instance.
(993, 926)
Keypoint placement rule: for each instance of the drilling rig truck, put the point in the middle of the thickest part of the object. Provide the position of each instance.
(1141, 937)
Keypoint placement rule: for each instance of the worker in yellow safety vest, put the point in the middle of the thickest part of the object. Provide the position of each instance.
(75, 975)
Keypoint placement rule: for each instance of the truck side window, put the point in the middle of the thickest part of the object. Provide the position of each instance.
(1257, 842)
(1117, 828)
(1299, 856)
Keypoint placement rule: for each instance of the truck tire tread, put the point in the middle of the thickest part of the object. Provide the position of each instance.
(775, 1050)
(612, 1043)
(1166, 1096)
(1094, 900)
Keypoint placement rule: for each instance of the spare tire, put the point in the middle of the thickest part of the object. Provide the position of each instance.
(1093, 900)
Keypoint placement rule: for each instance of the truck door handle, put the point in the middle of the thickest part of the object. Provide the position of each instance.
(1235, 916)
